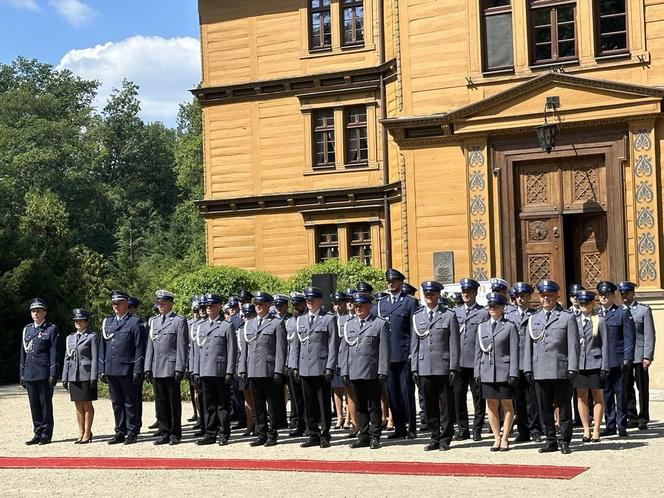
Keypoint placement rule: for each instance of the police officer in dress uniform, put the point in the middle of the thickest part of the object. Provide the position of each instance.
(247, 312)
(571, 294)
(132, 310)
(644, 353)
(165, 364)
(469, 315)
(263, 347)
(313, 358)
(279, 309)
(502, 287)
(409, 289)
(121, 362)
(192, 325)
(397, 309)
(297, 414)
(551, 360)
(237, 396)
(525, 400)
(621, 356)
(38, 370)
(434, 357)
(364, 358)
(214, 367)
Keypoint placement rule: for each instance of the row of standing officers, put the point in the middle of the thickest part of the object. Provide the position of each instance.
(501, 352)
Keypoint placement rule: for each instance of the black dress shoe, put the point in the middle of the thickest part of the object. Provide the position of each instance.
(34, 440)
(131, 439)
(374, 445)
(643, 426)
(536, 436)
(223, 440)
(632, 424)
(44, 440)
(117, 439)
(193, 419)
(411, 435)
(548, 448)
(424, 428)
(477, 436)
(585, 439)
(433, 445)
(444, 446)
(154, 426)
(622, 432)
(564, 448)
(173, 440)
(162, 440)
(270, 442)
(310, 443)
(259, 441)
(595, 440)
(351, 434)
(360, 443)
(296, 433)
(461, 436)
(608, 432)
(205, 441)
(324, 443)
(522, 438)
(397, 435)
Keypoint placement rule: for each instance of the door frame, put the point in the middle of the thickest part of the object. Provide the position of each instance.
(611, 143)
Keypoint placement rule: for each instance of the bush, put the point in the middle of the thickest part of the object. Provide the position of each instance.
(148, 393)
(348, 274)
(223, 280)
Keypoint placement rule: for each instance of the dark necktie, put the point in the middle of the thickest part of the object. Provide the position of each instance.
(260, 322)
(430, 316)
(548, 315)
(311, 320)
(493, 327)
(163, 319)
(361, 324)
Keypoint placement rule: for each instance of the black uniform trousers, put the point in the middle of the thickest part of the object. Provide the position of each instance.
(558, 391)
(192, 391)
(401, 394)
(438, 406)
(318, 409)
(40, 396)
(216, 406)
(297, 412)
(168, 404)
(237, 403)
(367, 407)
(615, 399)
(124, 395)
(463, 379)
(639, 375)
(525, 402)
(266, 392)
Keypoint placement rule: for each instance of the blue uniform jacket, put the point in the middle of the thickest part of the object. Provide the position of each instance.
(399, 316)
(622, 335)
(39, 352)
(122, 349)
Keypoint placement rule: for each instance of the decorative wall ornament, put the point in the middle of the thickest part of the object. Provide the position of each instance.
(477, 207)
(647, 270)
(479, 255)
(537, 191)
(641, 140)
(537, 230)
(646, 244)
(539, 268)
(585, 184)
(476, 181)
(645, 218)
(480, 274)
(443, 267)
(475, 157)
(644, 193)
(642, 166)
(479, 236)
(478, 230)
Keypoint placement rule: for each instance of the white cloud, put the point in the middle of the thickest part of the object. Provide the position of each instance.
(164, 68)
(75, 11)
(22, 4)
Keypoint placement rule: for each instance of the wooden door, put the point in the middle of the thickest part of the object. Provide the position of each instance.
(589, 248)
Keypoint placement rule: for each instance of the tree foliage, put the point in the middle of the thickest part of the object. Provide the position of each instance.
(348, 274)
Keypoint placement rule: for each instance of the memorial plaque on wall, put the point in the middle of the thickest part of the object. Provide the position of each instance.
(443, 267)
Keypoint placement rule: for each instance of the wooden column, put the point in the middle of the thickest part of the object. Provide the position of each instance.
(645, 202)
(479, 210)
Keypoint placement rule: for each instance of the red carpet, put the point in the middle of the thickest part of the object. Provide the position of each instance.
(330, 466)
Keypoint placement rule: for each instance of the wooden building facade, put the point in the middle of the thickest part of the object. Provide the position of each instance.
(403, 133)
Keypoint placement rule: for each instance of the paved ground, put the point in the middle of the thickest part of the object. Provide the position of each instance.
(617, 466)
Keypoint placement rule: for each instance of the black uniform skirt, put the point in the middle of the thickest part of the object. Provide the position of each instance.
(82, 391)
(588, 379)
(337, 383)
(497, 390)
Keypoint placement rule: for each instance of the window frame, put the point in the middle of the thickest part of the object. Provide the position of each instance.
(348, 128)
(326, 246)
(353, 4)
(551, 5)
(364, 228)
(324, 130)
(598, 34)
(490, 11)
(311, 10)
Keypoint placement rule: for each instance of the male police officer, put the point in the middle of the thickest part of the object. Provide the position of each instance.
(571, 294)
(434, 357)
(194, 391)
(263, 361)
(39, 369)
(364, 358)
(214, 367)
(280, 310)
(621, 356)
(551, 359)
(469, 315)
(297, 413)
(121, 358)
(132, 310)
(501, 286)
(165, 363)
(525, 400)
(397, 309)
(313, 358)
(644, 353)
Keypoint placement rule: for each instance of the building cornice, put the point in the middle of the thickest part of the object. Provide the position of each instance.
(307, 201)
(324, 82)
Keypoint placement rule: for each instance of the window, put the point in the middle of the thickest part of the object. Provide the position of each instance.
(552, 31)
(611, 27)
(360, 242)
(328, 243)
(356, 135)
(352, 26)
(320, 24)
(497, 35)
(324, 138)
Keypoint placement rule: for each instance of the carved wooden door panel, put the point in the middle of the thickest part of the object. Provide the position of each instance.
(589, 246)
(540, 222)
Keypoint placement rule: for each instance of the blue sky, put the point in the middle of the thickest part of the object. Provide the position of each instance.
(151, 42)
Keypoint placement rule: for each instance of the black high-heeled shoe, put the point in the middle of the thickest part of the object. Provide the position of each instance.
(585, 439)
(595, 440)
(86, 441)
(78, 441)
